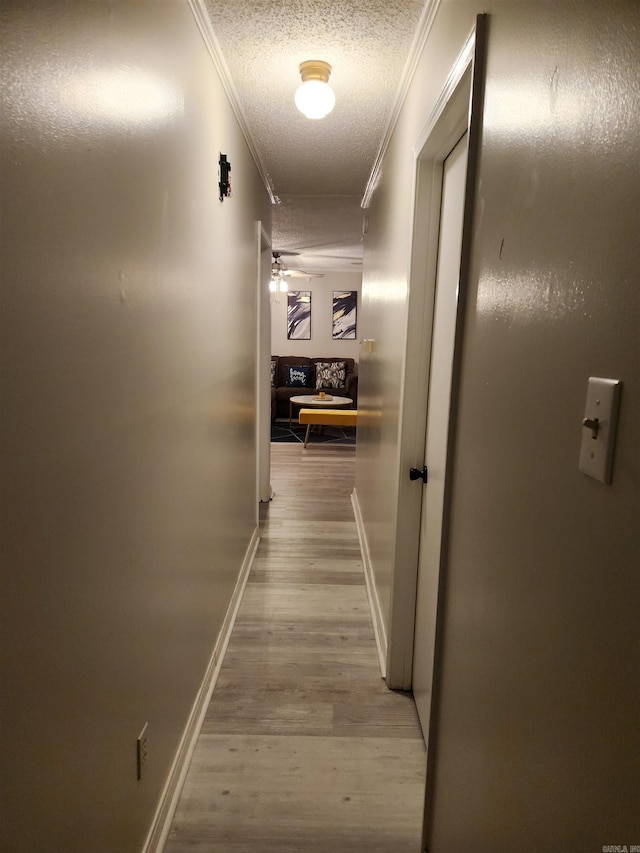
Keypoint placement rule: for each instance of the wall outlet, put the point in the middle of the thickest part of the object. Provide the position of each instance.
(141, 751)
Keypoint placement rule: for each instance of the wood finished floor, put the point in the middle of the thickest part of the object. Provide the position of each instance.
(303, 747)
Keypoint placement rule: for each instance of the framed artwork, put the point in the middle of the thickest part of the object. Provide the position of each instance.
(345, 308)
(299, 315)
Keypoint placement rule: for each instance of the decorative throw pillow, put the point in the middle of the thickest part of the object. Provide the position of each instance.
(273, 374)
(298, 375)
(330, 374)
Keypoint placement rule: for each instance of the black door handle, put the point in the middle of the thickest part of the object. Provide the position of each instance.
(417, 474)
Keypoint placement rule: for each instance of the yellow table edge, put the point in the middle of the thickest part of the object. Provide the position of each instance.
(332, 417)
(327, 417)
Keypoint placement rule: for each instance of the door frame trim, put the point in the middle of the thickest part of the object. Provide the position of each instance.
(263, 381)
(476, 112)
(456, 110)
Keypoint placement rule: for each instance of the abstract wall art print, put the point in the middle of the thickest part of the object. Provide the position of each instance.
(299, 315)
(345, 307)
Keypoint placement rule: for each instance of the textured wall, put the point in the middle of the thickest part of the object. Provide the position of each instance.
(321, 342)
(542, 637)
(538, 742)
(127, 417)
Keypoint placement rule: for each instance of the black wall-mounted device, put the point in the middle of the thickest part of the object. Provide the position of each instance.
(224, 183)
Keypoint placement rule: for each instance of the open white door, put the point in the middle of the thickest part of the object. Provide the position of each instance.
(442, 351)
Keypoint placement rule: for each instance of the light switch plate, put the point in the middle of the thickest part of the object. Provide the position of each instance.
(599, 428)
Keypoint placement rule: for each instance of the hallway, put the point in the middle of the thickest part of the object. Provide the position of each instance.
(303, 747)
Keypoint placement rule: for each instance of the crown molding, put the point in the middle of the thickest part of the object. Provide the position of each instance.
(417, 46)
(206, 30)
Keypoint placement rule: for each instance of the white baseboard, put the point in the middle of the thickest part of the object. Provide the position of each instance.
(163, 818)
(372, 593)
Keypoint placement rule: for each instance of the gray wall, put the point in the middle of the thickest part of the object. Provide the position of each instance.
(127, 405)
(538, 744)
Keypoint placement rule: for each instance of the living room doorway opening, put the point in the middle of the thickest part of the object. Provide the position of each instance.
(314, 357)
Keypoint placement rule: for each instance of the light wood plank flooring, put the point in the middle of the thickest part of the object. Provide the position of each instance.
(304, 748)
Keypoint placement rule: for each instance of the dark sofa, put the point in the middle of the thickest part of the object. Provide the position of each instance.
(281, 392)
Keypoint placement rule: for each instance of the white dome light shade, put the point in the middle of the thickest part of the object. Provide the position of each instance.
(315, 98)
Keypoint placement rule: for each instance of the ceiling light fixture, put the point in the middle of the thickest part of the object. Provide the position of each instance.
(278, 282)
(315, 98)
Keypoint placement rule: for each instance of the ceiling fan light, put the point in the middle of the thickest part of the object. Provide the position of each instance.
(315, 98)
(284, 285)
(273, 285)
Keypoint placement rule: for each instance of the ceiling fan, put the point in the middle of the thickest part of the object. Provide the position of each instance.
(280, 272)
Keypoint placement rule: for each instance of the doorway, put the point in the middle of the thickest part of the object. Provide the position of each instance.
(263, 379)
(443, 130)
(438, 407)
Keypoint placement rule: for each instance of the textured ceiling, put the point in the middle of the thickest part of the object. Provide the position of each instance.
(367, 43)
(319, 232)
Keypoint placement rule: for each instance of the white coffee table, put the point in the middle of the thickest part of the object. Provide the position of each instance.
(308, 401)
